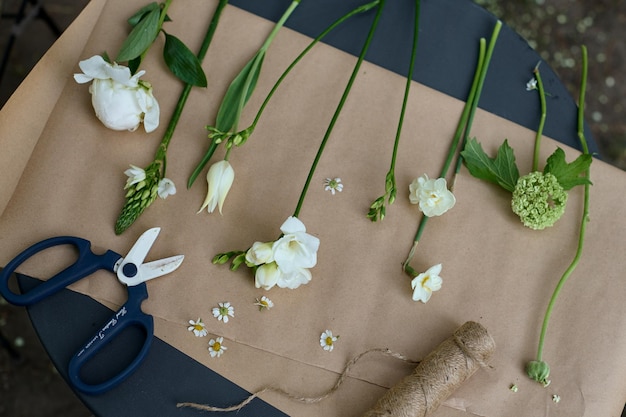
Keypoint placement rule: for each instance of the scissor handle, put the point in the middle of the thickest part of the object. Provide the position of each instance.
(129, 314)
(86, 264)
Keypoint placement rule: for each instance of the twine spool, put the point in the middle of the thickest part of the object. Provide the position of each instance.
(438, 375)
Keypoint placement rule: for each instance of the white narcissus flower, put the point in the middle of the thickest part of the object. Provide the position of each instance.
(121, 101)
(425, 283)
(219, 178)
(296, 249)
(166, 188)
(432, 195)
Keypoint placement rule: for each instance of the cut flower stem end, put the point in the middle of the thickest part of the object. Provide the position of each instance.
(534, 370)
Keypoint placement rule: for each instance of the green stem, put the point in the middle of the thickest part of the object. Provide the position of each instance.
(169, 132)
(585, 215)
(358, 10)
(464, 125)
(409, 80)
(342, 101)
(542, 120)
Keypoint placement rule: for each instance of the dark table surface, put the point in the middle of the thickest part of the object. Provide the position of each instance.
(447, 51)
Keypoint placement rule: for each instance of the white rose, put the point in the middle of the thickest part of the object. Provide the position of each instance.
(121, 101)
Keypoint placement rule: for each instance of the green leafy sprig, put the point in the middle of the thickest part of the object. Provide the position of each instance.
(239, 92)
(146, 25)
(141, 195)
(377, 209)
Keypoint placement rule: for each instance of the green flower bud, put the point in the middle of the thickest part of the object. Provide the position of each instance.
(538, 371)
(539, 200)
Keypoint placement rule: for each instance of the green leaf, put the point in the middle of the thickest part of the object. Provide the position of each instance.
(134, 19)
(500, 170)
(141, 37)
(182, 62)
(568, 174)
(238, 94)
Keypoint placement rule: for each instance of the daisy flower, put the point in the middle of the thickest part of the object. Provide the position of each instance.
(333, 185)
(327, 340)
(216, 347)
(197, 327)
(223, 312)
(264, 303)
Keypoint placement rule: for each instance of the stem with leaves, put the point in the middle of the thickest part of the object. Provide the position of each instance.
(139, 197)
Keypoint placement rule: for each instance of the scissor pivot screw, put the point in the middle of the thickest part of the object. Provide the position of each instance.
(129, 270)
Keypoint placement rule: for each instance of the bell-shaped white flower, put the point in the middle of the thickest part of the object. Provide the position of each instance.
(296, 249)
(295, 278)
(220, 178)
(266, 276)
(121, 101)
(432, 195)
(166, 188)
(425, 283)
(135, 175)
(260, 253)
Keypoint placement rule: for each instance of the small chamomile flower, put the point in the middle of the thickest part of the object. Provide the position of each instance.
(223, 312)
(556, 398)
(264, 303)
(216, 347)
(333, 185)
(327, 340)
(513, 388)
(197, 327)
(531, 84)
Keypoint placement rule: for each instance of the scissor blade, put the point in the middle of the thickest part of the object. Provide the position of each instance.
(161, 267)
(140, 249)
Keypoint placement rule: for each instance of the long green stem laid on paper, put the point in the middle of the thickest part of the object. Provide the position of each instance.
(237, 95)
(542, 119)
(142, 194)
(377, 208)
(463, 127)
(538, 369)
(342, 101)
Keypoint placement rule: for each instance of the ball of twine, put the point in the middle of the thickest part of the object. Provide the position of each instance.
(438, 375)
(417, 395)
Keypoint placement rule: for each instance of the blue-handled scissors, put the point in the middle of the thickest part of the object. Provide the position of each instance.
(130, 270)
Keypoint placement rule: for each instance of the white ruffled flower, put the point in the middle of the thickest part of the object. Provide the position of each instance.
(219, 178)
(166, 188)
(121, 101)
(425, 283)
(432, 195)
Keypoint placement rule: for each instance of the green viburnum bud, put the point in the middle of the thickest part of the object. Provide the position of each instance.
(538, 371)
(539, 200)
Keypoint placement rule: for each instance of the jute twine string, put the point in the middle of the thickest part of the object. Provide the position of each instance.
(418, 394)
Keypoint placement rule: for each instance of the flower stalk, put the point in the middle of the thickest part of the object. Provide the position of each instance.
(136, 203)
(342, 101)
(538, 369)
(463, 128)
(377, 208)
(542, 120)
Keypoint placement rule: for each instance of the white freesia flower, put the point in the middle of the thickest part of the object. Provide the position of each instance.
(425, 283)
(296, 249)
(219, 178)
(121, 101)
(432, 195)
(266, 276)
(135, 175)
(166, 188)
(294, 279)
(260, 253)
